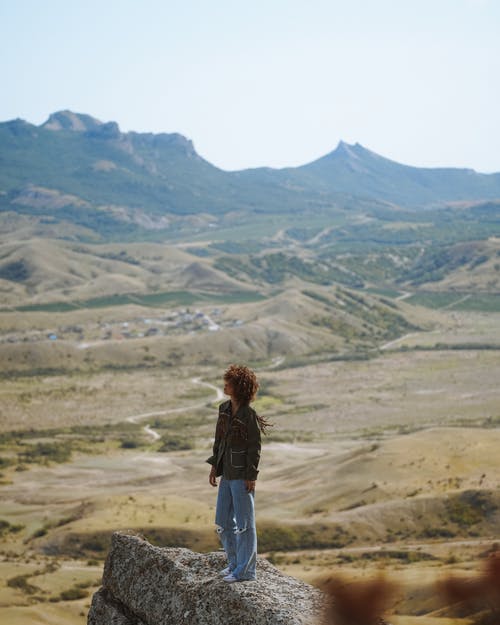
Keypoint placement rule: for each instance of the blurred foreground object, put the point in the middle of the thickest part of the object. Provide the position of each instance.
(357, 602)
(477, 596)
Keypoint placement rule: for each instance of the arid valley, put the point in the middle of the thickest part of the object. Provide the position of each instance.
(383, 463)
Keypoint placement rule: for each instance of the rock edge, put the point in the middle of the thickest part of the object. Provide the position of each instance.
(147, 585)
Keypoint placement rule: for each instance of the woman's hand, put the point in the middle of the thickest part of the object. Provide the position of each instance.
(212, 478)
(250, 486)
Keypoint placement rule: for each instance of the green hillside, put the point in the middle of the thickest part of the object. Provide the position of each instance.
(353, 167)
(90, 179)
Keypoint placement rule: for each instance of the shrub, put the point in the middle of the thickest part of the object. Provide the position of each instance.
(5, 462)
(130, 444)
(46, 452)
(9, 528)
(469, 508)
(72, 594)
(21, 583)
(97, 542)
(172, 442)
(437, 532)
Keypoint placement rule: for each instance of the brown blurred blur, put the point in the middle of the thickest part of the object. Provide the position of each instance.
(357, 602)
(477, 595)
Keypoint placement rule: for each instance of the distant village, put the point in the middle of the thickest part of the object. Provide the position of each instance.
(172, 322)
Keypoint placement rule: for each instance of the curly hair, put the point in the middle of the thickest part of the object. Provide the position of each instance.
(244, 382)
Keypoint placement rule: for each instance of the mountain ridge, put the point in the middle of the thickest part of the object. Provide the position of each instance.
(122, 181)
(66, 119)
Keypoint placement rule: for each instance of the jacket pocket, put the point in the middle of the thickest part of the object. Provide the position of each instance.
(238, 459)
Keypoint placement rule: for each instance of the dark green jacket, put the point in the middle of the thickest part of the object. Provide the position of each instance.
(236, 450)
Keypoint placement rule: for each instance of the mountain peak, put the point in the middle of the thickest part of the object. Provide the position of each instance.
(355, 150)
(353, 154)
(67, 120)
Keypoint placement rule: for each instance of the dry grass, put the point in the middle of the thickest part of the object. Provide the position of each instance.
(363, 446)
(65, 271)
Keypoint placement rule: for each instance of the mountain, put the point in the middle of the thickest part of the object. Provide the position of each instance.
(354, 169)
(88, 174)
(77, 155)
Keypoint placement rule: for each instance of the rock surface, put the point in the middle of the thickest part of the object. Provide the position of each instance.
(146, 585)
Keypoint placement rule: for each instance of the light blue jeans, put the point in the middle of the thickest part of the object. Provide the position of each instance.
(235, 521)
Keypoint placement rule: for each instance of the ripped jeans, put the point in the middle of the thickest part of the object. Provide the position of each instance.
(235, 521)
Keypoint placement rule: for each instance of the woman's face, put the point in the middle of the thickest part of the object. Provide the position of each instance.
(228, 388)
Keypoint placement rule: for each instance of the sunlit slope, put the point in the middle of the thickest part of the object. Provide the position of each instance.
(353, 166)
(408, 485)
(472, 266)
(293, 323)
(49, 270)
(438, 483)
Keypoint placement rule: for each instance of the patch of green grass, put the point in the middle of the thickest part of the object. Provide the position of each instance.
(402, 555)
(58, 444)
(43, 453)
(289, 436)
(182, 298)
(434, 300)
(265, 403)
(384, 292)
(275, 537)
(5, 462)
(197, 392)
(482, 302)
(275, 267)
(179, 423)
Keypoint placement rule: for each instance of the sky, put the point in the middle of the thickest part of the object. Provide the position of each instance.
(267, 82)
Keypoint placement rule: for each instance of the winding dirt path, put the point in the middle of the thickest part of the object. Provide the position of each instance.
(219, 396)
(153, 435)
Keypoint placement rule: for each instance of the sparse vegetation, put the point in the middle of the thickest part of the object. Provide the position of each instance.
(130, 444)
(74, 593)
(297, 536)
(43, 453)
(470, 507)
(437, 532)
(10, 528)
(18, 271)
(404, 556)
(175, 442)
(20, 582)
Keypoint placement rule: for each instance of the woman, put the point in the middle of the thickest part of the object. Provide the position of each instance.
(236, 454)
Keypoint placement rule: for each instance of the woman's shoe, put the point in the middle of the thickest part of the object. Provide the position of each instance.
(230, 579)
(225, 572)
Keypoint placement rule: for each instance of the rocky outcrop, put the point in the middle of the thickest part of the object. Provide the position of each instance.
(146, 585)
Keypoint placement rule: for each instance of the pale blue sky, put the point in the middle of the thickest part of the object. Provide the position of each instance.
(267, 82)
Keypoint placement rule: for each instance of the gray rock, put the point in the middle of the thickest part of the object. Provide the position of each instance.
(105, 609)
(146, 585)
